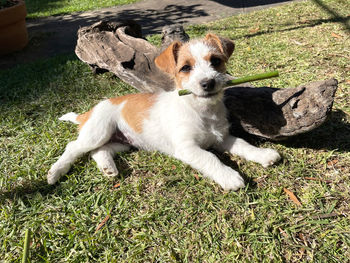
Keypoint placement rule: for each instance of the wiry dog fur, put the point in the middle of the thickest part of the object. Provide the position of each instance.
(180, 126)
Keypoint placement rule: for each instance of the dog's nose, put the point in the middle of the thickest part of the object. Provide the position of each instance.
(207, 84)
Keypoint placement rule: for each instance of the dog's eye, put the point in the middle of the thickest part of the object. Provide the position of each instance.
(186, 68)
(215, 61)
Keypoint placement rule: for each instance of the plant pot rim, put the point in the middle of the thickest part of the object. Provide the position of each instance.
(13, 13)
(17, 3)
(13, 31)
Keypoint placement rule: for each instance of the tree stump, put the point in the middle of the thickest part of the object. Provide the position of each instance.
(266, 112)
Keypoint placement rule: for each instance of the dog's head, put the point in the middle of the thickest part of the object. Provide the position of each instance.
(198, 65)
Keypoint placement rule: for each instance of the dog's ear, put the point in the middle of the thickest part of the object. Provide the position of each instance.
(225, 45)
(167, 60)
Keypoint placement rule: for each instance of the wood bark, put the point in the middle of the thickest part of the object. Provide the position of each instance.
(270, 113)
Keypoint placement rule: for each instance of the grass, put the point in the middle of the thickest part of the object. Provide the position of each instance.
(44, 8)
(161, 212)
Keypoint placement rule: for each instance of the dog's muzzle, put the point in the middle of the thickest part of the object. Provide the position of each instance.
(208, 85)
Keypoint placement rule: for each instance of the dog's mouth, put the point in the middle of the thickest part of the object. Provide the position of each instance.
(208, 95)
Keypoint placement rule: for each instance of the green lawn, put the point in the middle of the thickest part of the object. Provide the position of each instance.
(162, 211)
(43, 8)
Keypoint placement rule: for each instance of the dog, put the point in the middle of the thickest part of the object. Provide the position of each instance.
(181, 126)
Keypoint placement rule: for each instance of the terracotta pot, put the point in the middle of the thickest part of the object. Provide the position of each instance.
(13, 30)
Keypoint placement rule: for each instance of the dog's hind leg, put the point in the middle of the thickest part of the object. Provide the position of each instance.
(95, 133)
(74, 150)
(103, 156)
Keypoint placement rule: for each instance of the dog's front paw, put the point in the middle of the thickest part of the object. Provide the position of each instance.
(268, 157)
(229, 179)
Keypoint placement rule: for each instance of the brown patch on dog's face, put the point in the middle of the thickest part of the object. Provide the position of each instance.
(217, 61)
(136, 108)
(224, 45)
(167, 60)
(184, 65)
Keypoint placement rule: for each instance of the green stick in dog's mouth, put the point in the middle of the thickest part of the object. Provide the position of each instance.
(232, 82)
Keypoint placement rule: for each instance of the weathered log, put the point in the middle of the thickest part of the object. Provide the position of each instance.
(271, 113)
(118, 47)
(279, 113)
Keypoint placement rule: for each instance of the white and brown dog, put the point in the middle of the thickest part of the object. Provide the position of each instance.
(180, 126)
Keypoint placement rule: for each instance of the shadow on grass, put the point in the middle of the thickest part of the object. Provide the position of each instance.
(28, 188)
(344, 20)
(32, 79)
(311, 23)
(31, 187)
(336, 18)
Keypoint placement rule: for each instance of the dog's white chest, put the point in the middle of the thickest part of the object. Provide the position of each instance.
(211, 131)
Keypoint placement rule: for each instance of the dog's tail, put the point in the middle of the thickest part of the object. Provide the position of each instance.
(71, 116)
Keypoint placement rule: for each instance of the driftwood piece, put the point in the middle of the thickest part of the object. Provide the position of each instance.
(271, 113)
(118, 47)
(279, 113)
